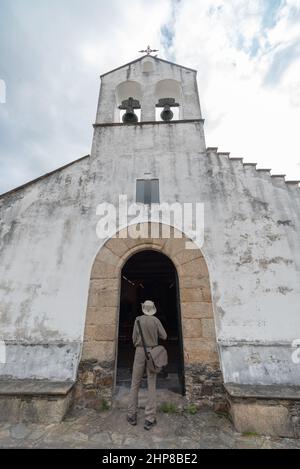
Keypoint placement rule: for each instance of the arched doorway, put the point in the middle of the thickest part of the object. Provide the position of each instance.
(149, 274)
(96, 378)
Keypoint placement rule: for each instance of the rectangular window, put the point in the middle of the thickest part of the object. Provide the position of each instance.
(147, 191)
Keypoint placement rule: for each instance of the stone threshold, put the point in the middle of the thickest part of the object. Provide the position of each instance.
(121, 395)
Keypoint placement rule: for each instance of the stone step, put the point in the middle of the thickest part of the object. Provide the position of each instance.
(237, 159)
(170, 383)
(31, 400)
(293, 183)
(120, 398)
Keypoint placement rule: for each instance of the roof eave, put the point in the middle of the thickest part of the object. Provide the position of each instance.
(43, 176)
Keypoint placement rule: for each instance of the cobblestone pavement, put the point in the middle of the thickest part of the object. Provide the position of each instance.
(109, 429)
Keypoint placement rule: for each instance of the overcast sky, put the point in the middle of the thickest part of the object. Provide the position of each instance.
(247, 53)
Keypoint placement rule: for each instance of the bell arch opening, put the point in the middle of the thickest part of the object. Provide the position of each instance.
(149, 274)
(169, 88)
(123, 92)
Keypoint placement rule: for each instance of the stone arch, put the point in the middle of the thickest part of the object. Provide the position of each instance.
(201, 360)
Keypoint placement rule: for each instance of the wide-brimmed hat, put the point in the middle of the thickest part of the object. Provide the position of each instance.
(148, 308)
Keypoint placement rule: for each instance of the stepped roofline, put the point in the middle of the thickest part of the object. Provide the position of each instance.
(153, 57)
(226, 154)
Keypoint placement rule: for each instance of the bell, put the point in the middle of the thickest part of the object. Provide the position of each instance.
(130, 105)
(166, 114)
(167, 103)
(129, 117)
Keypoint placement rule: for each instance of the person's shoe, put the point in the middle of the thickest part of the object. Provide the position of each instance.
(131, 420)
(148, 424)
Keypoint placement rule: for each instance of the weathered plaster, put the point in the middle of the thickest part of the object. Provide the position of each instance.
(48, 240)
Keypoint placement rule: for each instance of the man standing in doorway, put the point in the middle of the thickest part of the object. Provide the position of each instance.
(152, 330)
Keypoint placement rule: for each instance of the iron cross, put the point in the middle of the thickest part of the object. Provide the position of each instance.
(148, 50)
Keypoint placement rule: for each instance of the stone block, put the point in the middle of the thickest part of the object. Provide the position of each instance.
(87, 378)
(93, 297)
(117, 246)
(99, 285)
(103, 270)
(195, 282)
(187, 255)
(103, 315)
(34, 408)
(173, 247)
(107, 298)
(107, 256)
(192, 328)
(103, 295)
(262, 418)
(105, 381)
(196, 310)
(200, 351)
(208, 328)
(89, 332)
(103, 351)
(192, 295)
(105, 332)
(195, 268)
(158, 243)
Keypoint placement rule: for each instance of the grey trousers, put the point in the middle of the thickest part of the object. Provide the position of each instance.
(137, 375)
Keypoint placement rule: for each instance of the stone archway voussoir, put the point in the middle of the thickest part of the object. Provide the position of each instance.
(194, 268)
(117, 246)
(103, 270)
(107, 256)
(188, 255)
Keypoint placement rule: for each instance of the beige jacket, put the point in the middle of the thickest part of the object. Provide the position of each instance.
(152, 330)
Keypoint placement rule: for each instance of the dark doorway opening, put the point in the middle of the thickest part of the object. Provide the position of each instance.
(150, 275)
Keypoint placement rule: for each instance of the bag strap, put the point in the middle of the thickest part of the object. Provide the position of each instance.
(143, 340)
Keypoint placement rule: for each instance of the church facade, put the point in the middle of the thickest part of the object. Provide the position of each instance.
(229, 295)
